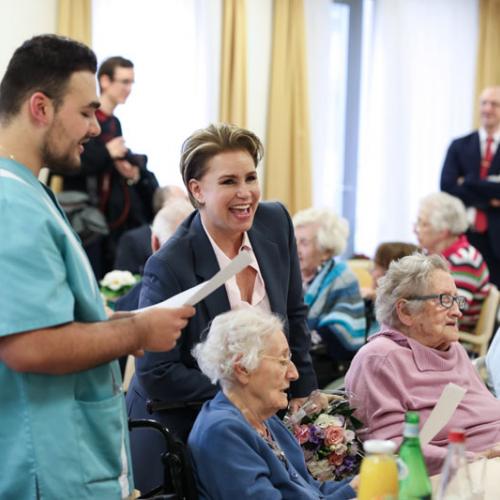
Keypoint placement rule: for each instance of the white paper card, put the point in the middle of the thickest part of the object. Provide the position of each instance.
(445, 407)
(192, 296)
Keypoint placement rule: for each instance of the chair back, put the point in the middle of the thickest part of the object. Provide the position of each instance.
(487, 317)
(362, 270)
(479, 340)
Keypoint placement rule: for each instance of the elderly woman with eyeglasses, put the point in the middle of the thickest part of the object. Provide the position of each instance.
(440, 228)
(406, 366)
(239, 447)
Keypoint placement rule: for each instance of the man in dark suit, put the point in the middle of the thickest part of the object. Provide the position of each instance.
(471, 172)
(134, 246)
(165, 223)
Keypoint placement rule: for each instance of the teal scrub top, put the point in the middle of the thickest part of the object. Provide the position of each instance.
(60, 436)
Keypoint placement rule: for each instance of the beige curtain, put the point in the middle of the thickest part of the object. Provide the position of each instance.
(288, 157)
(488, 56)
(233, 85)
(74, 19)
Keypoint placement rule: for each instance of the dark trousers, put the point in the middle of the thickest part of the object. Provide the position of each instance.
(482, 242)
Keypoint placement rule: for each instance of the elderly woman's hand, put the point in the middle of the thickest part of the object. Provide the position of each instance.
(355, 483)
(295, 404)
(316, 401)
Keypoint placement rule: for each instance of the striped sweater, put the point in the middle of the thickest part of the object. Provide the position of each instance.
(336, 309)
(471, 276)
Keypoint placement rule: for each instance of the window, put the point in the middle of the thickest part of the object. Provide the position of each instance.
(175, 49)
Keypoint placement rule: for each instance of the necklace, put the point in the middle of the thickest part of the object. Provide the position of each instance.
(259, 426)
(275, 447)
(9, 155)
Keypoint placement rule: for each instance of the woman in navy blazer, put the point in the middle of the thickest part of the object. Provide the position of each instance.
(240, 449)
(218, 165)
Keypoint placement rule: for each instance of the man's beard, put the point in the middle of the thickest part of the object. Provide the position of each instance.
(62, 163)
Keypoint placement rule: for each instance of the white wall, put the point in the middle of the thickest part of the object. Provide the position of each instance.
(22, 19)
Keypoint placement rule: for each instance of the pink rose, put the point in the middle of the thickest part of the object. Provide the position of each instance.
(335, 459)
(333, 435)
(301, 433)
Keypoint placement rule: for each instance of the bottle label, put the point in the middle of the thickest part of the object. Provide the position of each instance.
(402, 469)
(410, 430)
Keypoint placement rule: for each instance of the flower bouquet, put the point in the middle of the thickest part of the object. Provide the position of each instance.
(325, 428)
(117, 283)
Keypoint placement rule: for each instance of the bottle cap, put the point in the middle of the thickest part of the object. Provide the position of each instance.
(379, 446)
(412, 417)
(456, 436)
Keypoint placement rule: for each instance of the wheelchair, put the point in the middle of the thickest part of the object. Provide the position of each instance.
(178, 477)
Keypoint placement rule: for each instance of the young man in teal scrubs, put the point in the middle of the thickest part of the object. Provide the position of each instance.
(63, 428)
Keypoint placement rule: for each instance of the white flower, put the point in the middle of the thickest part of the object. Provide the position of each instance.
(349, 435)
(114, 280)
(325, 420)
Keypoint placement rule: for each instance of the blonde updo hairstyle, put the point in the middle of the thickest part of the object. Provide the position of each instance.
(204, 144)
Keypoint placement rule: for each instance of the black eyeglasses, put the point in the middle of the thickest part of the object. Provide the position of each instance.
(445, 299)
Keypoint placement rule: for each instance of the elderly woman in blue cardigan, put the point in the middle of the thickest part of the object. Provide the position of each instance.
(239, 447)
(336, 309)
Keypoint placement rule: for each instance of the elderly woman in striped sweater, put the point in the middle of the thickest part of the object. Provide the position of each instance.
(440, 228)
(336, 314)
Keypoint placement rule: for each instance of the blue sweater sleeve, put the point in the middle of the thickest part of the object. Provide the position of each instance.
(228, 464)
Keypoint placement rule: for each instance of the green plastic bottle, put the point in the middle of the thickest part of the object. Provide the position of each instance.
(414, 483)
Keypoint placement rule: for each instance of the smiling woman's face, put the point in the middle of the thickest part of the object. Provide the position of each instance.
(228, 193)
(434, 325)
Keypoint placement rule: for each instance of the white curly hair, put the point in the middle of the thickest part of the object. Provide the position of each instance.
(333, 230)
(446, 212)
(240, 335)
(405, 277)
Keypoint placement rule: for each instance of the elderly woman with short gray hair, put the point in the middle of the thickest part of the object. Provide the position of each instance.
(440, 228)
(336, 308)
(406, 366)
(240, 448)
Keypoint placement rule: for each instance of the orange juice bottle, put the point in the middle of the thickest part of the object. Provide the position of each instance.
(378, 478)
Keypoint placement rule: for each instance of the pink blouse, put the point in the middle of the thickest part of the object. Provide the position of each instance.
(259, 299)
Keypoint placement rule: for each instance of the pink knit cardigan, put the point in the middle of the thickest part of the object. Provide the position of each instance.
(393, 374)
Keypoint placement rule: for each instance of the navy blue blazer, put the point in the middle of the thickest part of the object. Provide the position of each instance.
(188, 259)
(463, 160)
(232, 461)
